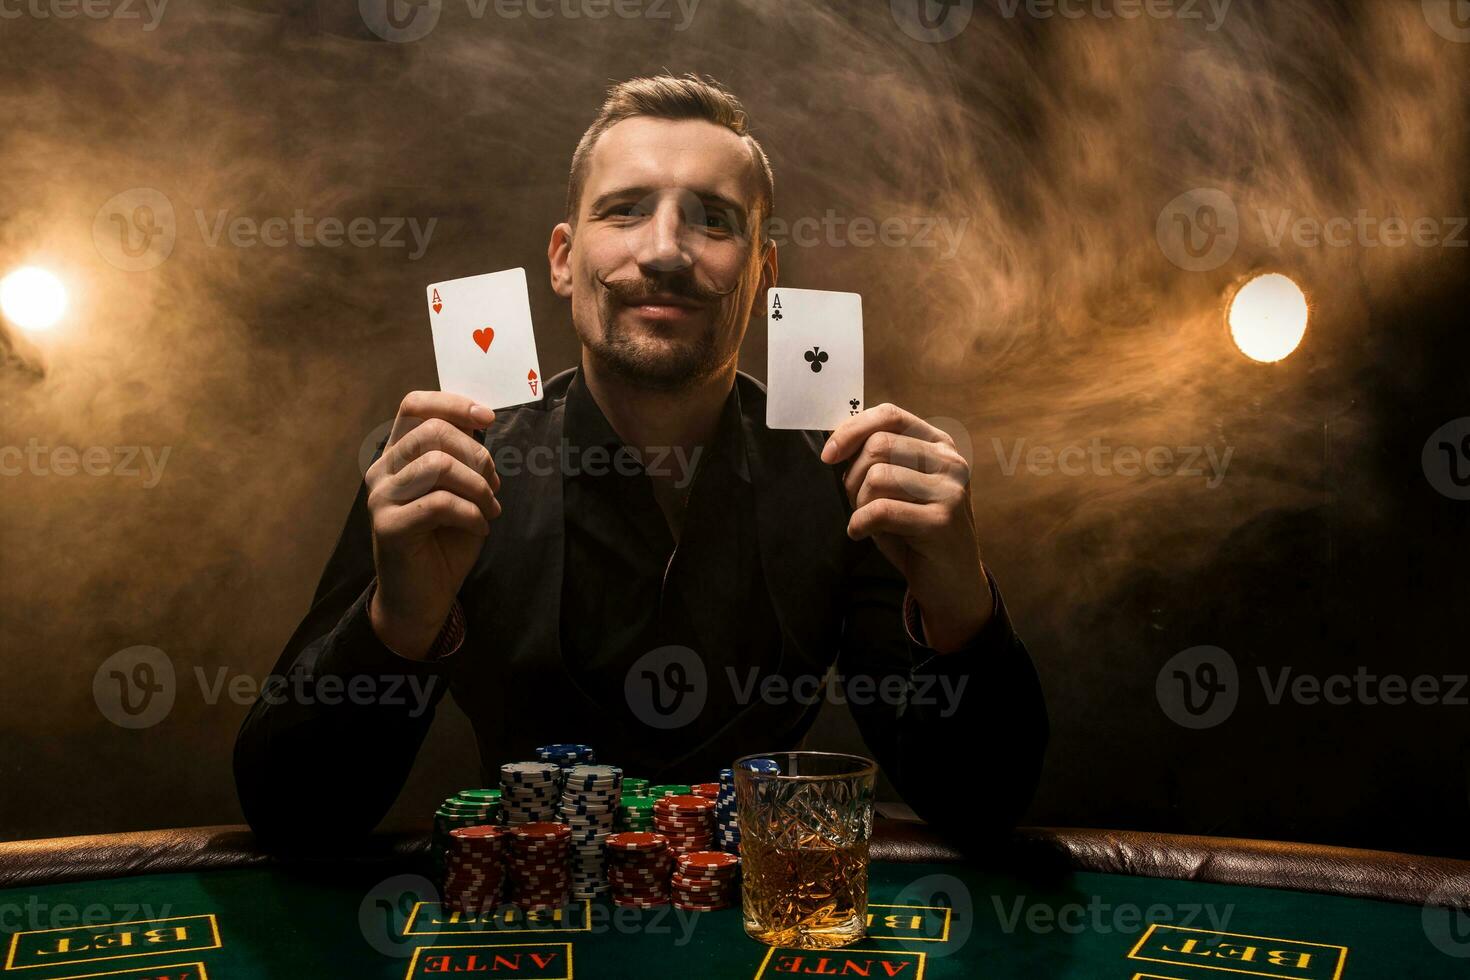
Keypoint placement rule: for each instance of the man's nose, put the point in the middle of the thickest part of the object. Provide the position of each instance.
(666, 244)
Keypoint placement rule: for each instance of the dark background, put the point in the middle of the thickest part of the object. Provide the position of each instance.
(1058, 319)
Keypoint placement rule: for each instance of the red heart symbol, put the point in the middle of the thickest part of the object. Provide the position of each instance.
(483, 338)
(438, 307)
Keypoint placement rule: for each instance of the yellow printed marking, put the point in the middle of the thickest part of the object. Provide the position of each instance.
(1273, 958)
(64, 945)
(944, 934)
(413, 920)
(143, 971)
(818, 956)
(419, 951)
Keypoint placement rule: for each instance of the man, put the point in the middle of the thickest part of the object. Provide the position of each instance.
(540, 594)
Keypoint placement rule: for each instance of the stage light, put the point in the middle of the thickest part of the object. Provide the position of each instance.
(32, 298)
(1268, 317)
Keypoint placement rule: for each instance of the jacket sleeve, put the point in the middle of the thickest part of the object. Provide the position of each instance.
(961, 735)
(339, 721)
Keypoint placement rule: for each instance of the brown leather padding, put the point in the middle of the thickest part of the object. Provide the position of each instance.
(1301, 867)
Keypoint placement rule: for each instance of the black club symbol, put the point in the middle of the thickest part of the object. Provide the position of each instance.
(816, 357)
(854, 403)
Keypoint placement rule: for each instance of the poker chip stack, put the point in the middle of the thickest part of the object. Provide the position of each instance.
(709, 791)
(589, 807)
(538, 865)
(672, 789)
(473, 868)
(529, 792)
(727, 817)
(705, 881)
(467, 808)
(687, 821)
(636, 812)
(633, 786)
(565, 755)
(638, 868)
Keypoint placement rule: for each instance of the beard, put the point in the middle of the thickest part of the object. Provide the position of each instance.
(654, 358)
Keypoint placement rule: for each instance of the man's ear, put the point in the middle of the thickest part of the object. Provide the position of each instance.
(770, 271)
(559, 260)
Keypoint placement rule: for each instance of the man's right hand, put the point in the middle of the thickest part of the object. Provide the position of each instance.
(431, 495)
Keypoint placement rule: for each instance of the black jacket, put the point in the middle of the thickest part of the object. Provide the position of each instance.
(967, 763)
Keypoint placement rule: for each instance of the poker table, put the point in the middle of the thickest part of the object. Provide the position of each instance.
(209, 904)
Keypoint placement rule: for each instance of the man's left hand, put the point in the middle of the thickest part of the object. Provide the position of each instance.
(910, 492)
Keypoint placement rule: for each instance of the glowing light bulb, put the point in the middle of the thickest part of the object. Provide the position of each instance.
(32, 298)
(1268, 317)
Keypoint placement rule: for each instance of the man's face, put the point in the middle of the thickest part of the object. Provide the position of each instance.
(664, 264)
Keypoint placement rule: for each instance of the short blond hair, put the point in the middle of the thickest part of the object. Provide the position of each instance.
(672, 97)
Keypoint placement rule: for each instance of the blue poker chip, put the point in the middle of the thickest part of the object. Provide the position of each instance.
(764, 767)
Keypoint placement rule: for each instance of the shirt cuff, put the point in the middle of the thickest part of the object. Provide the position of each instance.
(450, 638)
(998, 624)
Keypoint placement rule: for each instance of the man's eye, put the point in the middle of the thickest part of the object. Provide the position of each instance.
(627, 211)
(720, 221)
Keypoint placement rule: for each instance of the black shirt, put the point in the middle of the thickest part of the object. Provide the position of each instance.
(629, 587)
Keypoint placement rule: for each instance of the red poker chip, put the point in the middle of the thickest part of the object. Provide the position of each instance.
(699, 906)
(708, 791)
(477, 832)
(714, 860)
(635, 840)
(542, 830)
(684, 802)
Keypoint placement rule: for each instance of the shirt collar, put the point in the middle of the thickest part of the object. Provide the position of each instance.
(586, 426)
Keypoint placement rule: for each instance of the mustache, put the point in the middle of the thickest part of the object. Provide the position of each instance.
(632, 290)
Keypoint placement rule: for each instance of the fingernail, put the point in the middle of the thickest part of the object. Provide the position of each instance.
(482, 414)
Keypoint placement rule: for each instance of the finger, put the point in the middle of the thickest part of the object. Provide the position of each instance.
(432, 511)
(887, 417)
(436, 470)
(418, 407)
(896, 483)
(440, 435)
(898, 517)
(908, 452)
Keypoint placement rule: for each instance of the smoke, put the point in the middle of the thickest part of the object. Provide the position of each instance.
(1020, 169)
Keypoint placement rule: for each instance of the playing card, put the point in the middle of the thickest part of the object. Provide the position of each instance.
(483, 341)
(814, 358)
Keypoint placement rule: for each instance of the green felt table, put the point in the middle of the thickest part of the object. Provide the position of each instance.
(926, 920)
